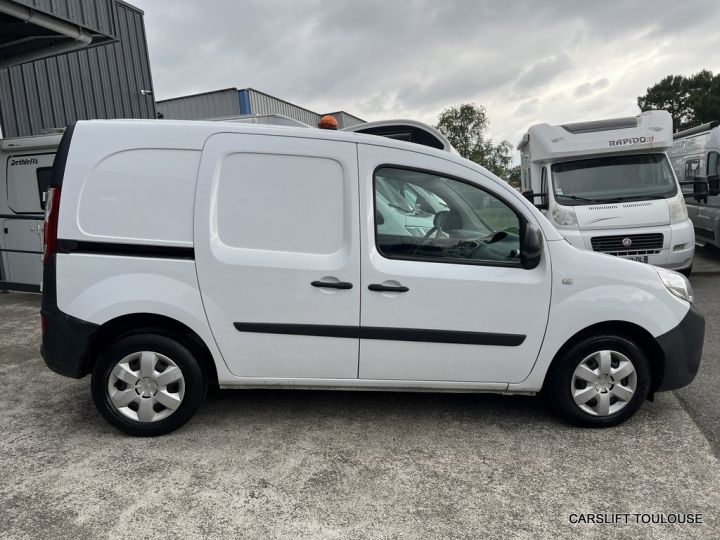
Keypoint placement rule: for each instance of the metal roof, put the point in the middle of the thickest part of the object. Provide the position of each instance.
(246, 101)
(34, 29)
(107, 81)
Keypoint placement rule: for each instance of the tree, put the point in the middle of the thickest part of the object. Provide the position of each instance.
(465, 126)
(691, 101)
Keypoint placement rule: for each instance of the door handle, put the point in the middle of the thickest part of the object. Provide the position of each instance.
(332, 284)
(379, 287)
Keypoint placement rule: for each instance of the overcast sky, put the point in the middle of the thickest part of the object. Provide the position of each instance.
(563, 61)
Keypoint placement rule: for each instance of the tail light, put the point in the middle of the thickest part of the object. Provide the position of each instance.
(52, 207)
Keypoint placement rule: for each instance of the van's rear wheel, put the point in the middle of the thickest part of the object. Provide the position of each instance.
(147, 384)
(600, 381)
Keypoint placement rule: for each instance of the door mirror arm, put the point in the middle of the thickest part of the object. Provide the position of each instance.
(530, 195)
(532, 247)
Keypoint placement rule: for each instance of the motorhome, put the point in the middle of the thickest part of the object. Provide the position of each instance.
(25, 165)
(696, 155)
(182, 255)
(608, 186)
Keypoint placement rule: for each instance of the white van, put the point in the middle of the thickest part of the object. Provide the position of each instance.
(186, 254)
(608, 186)
(25, 164)
(696, 155)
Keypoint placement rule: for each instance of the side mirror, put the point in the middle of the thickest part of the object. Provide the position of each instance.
(700, 188)
(379, 218)
(530, 195)
(713, 185)
(531, 249)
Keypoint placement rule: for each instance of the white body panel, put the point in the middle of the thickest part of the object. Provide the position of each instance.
(21, 222)
(242, 274)
(255, 267)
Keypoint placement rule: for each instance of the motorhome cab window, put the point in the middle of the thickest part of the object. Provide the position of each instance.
(613, 179)
(430, 217)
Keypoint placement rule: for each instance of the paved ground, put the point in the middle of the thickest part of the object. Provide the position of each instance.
(346, 465)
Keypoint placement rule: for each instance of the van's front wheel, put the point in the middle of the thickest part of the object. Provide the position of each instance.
(600, 381)
(147, 384)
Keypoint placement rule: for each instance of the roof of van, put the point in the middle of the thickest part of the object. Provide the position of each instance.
(648, 131)
(192, 134)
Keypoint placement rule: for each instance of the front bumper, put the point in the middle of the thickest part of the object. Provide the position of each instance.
(682, 349)
(678, 246)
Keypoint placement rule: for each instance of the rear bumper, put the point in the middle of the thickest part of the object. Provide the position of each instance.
(682, 348)
(66, 339)
(65, 343)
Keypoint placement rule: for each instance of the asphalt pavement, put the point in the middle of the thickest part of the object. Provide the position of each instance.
(315, 464)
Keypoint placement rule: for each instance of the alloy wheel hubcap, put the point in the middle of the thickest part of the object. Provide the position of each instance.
(146, 386)
(604, 383)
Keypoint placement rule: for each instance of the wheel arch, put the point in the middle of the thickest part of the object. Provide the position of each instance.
(632, 331)
(140, 323)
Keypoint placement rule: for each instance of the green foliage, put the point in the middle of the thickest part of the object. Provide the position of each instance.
(465, 126)
(691, 100)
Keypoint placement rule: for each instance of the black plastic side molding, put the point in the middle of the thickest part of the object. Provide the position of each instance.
(385, 333)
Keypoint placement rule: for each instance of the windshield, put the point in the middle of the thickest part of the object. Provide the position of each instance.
(613, 179)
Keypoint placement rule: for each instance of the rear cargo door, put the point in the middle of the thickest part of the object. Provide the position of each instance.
(276, 247)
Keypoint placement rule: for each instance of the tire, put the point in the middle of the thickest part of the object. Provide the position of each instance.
(603, 401)
(147, 384)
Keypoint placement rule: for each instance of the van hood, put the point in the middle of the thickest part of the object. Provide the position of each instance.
(623, 215)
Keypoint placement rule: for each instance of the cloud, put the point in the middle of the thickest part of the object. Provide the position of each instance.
(525, 61)
(588, 88)
(543, 72)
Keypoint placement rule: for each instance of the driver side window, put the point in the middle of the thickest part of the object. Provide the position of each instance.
(424, 216)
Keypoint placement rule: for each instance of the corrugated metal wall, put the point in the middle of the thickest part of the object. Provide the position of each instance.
(95, 14)
(201, 106)
(98, 82)
(261, 103)
(346, 120)
(234, 102)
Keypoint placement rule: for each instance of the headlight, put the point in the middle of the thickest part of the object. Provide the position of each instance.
(678, 210)
(676, 283)
(563, 217)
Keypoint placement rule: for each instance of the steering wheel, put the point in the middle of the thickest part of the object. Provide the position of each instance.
(497, 236)
(437, 229)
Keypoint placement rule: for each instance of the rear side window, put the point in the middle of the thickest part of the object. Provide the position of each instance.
(424, 216)
(282, 203)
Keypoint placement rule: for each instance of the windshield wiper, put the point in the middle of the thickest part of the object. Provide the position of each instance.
(641, 198)
(577, 198)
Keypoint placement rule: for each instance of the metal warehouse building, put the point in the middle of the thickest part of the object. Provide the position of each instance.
(67, 60)
(240, 102)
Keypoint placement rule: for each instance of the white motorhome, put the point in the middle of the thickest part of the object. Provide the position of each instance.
(185, 254)
(608, 186)
(25, 164)
(696, 154)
